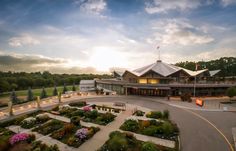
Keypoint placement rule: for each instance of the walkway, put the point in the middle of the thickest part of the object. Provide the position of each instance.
(103, 135)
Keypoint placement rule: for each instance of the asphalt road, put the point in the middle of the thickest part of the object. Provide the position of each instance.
(196, 134)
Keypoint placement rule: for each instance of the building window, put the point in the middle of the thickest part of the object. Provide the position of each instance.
(153, 81)
(143, 81)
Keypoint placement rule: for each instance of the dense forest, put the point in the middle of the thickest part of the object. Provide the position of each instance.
(227, 65)
(23, 80)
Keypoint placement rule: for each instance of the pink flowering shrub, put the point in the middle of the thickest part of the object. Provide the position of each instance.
(81, 133)
(18, 138)
(87, 108)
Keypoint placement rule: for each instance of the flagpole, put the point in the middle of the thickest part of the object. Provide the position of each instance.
(159, 56)
(194, 85)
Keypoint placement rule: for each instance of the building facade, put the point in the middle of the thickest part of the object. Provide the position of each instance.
(162, 79)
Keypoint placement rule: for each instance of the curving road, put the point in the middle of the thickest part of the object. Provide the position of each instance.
(196, 134)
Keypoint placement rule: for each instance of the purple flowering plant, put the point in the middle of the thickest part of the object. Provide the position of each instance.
(18, 138)
(81, 133)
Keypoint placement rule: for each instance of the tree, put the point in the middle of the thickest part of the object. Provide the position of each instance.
(43, 94)
(55, 92)
(13, 97)
(30, 96)
(4, 86)
(73, 88)
(64, 89)
(231, 92)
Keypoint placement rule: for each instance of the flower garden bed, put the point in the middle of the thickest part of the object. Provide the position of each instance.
(73, 135)
(161, 129)
(49, 127)
(10, 141)
(98, 118)
(31, 122)
(88, 115)
(127, 142)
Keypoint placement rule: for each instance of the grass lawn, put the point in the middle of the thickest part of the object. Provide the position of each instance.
(22, 94)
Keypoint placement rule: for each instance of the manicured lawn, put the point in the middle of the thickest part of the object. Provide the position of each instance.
(22, 94)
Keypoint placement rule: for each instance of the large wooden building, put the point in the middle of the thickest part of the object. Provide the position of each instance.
(162, 79)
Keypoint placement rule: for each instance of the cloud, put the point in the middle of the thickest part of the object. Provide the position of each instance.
(228, 2)
(92, 6)
(162, 6)
(22, 40)
(181, 32)
(37, 63)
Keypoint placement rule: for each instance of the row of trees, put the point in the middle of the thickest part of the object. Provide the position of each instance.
(30, 96)
(227, 65)
(23, 80)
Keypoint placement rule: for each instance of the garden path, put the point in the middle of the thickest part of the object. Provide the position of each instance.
(103, 135)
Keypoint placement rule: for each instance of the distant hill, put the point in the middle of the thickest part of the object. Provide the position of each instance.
(227, 65)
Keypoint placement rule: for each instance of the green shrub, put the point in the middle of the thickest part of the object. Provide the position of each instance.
(39, 146)
(114, 133)
(149, 146)
(155, 114)
(139, 113)
(231, 92)
(167, 128)
(78, 113)
(78, 104)
(165, 114)
(117, 143)
(152, 130)
(91, 114)
(75, 120)
(130, 125)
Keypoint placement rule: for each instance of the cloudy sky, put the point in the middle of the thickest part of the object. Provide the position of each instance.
(93, 36)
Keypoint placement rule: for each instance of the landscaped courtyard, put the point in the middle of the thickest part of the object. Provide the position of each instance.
(91, 126)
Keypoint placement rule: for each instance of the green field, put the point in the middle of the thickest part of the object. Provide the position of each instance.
(5, 97)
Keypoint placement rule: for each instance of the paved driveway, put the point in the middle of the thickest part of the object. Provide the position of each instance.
(196, 134)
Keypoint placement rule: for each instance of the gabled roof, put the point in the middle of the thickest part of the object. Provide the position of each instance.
(164, 69)
(214, 72)
(159, 67)
(120, 73)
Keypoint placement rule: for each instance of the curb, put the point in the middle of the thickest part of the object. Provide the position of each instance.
(196, 109)
(234, 136)
(179, 143)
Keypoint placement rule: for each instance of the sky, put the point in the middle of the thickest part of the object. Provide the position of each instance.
(98, 36)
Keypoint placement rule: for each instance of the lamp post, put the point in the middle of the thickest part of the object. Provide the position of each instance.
(59, 97)
(38, 102)
(10, 108)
